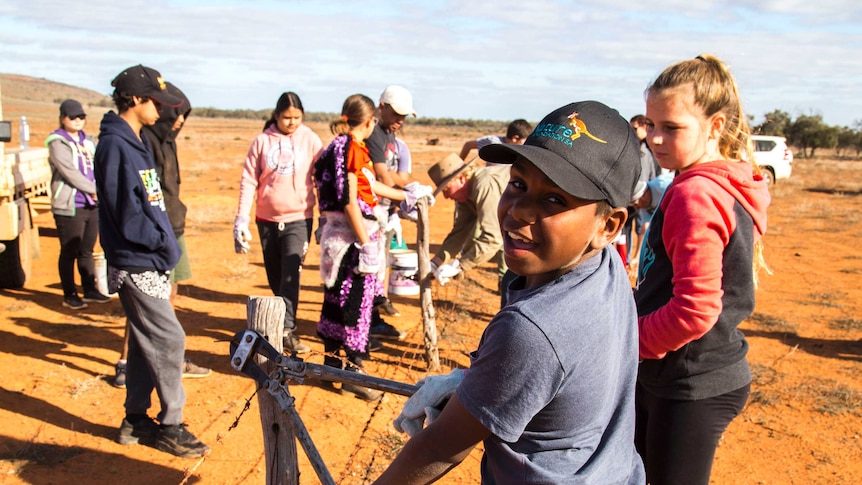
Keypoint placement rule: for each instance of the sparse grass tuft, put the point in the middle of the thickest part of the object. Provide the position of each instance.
(840, 400)
(846, 324)
(828, 300)
(238, 269)
(770, 321)
(82, 386)
(17, 306)
(42, 454)
(830, 397)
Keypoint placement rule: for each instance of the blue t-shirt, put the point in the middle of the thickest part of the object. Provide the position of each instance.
(554, 377)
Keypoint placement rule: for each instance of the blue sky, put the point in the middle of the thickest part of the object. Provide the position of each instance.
(463, 59)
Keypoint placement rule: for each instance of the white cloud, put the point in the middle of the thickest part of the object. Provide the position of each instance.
(477, 59)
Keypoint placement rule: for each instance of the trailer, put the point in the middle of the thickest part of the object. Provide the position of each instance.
(25, 188)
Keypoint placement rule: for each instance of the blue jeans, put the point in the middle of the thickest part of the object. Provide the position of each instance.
(156, 348)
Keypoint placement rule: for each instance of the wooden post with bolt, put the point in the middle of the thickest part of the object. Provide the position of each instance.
(266, 317)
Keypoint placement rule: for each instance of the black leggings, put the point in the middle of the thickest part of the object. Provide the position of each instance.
(77, 236)
(284, 246)
(677, 439)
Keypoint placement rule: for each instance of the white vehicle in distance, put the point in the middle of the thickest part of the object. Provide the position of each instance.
(772, 156)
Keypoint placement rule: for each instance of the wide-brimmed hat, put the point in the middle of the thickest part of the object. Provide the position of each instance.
(145, 82)
(586, 148)
(445, 170)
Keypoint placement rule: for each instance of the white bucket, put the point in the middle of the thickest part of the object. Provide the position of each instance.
(101, 268)
(404, 264)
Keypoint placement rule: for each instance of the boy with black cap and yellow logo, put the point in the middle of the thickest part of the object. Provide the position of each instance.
(550, 389)
(141, 249)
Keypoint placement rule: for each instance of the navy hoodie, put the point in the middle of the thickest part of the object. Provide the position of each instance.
(134, 229)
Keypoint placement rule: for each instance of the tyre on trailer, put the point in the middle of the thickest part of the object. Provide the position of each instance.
(16, 260)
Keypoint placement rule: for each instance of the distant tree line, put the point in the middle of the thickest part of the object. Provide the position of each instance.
(809, 132)
(806, 132)
(323, 117)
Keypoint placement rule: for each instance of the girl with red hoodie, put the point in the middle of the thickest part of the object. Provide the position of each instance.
(277, 172)
(698, 269)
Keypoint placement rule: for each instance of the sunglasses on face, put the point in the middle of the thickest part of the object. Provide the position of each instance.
(79, 117)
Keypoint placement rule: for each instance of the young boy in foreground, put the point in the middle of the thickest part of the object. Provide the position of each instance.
(550, 389)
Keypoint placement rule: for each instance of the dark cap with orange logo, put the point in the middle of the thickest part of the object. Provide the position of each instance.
(586, 148)
(146, 82)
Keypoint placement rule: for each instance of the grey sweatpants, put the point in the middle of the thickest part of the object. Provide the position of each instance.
(156, 349)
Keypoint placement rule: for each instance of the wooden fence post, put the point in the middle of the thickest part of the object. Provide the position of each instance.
(429, 317)
(266, 317)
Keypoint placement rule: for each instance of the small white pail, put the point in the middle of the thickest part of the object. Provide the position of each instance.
(404, 264)
(101, 268)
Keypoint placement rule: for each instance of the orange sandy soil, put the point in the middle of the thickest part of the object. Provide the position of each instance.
(60, 414)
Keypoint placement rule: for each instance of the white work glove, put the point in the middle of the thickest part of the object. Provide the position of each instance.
(369, 258)
(445, 272)
(425, 405)
(241, 235)
(415, 191)
(411, 215)
(394, 225)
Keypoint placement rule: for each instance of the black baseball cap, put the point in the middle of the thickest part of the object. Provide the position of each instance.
(71, 108)
(586, 148)
(145, 82)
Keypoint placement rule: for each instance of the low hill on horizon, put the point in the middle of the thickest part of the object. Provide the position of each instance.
(40, 90)
(20, 93)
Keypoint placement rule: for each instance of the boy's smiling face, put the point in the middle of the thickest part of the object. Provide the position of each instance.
(546, 231)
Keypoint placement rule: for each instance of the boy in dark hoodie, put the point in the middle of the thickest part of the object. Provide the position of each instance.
(141, 250)
(161, 138)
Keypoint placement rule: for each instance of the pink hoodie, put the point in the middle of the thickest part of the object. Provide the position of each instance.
(278, 171)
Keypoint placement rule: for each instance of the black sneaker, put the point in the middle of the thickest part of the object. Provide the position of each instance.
(382, 330)
(74, 302)
(141, 430)
(120, 375)
(290, 343)
(177, 441)
(95, 297)
(374, 345)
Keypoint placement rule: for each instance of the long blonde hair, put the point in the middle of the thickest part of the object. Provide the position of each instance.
(715, 91)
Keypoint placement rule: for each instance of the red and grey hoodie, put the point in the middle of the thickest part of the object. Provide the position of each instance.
(695, 282)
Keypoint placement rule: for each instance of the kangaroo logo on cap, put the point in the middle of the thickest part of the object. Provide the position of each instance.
(580, 128)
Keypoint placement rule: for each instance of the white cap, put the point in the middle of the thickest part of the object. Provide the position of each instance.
(399, 98)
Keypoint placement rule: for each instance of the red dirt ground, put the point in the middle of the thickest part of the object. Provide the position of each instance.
(60, 414)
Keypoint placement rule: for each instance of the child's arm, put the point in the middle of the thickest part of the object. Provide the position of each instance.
(468, 145)
(438, 448)
(697, 226)
(353, 213)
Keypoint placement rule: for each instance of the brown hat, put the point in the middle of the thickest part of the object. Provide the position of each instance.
(445, 170)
